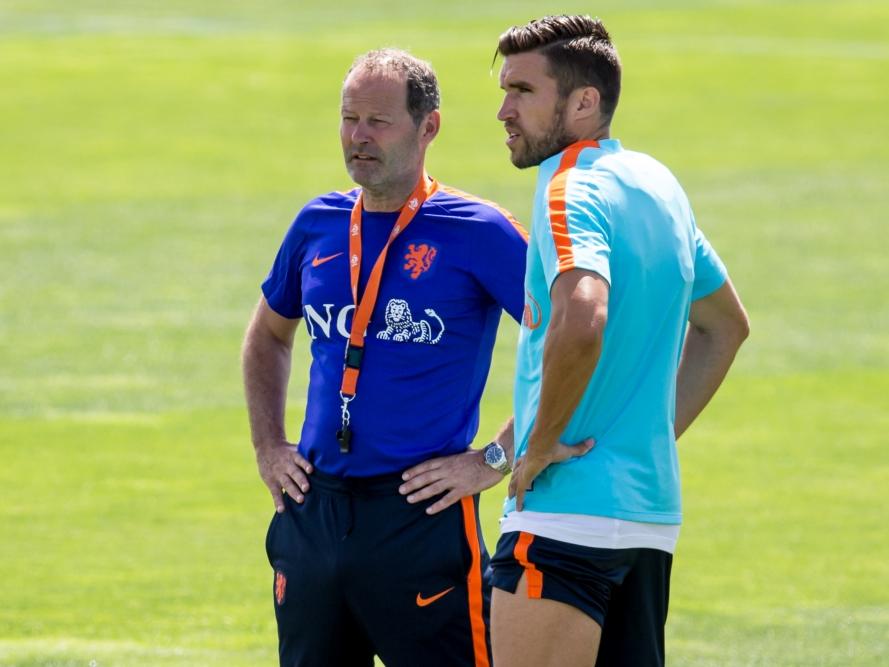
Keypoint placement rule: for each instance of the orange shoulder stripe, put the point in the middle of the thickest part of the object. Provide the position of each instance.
(506, 214)
(558, 216)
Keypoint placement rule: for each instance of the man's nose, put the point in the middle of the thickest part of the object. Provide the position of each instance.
(507, 110)
(361, 133)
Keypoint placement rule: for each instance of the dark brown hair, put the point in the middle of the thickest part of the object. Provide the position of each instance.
(423, 95)
(579, 52)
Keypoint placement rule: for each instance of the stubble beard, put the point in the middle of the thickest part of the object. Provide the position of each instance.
(385, 175)
(553, 141)
(385, 186)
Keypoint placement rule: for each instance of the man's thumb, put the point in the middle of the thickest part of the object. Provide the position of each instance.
(583, 447)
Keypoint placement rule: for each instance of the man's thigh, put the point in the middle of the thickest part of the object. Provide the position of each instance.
(418, 583)
(310, 606)
(536, 632)
(633, 634)
(623, 591)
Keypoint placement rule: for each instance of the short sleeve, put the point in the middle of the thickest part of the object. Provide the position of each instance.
(710, 272)
(283, 285)
(581, 235)
(501, 248)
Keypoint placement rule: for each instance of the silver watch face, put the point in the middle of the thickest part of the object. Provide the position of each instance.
(495, 456)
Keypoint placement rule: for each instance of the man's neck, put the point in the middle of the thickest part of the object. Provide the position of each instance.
(597, 133)
(388, 198)
(600, 133)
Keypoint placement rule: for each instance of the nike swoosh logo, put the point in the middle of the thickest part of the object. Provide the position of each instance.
(425, 602)
(318, 261)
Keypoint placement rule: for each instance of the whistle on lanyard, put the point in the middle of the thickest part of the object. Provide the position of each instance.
(344, 437)
(354, 356)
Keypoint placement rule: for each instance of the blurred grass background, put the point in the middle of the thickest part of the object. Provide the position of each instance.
(152, 155)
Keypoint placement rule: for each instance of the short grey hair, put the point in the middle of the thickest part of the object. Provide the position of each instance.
(423, 95)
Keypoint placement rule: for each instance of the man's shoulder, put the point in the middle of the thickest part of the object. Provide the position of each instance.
(624, 174)
(338, 200)
(321, 208)
(464, 206)
(632, 157)
(636, 162)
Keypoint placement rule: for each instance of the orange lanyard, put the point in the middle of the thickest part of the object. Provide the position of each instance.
(364, 307)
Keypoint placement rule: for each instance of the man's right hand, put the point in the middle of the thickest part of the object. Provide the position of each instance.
(284, 470)
(266, 363)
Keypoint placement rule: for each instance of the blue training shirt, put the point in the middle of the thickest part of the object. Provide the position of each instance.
(429, 341)
(624, 216)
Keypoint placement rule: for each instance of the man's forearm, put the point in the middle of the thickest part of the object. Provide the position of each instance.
(506, 438)
(569, 360)
(266, 368)
(706, 358)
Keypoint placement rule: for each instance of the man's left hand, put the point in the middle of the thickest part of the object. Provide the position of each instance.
(523, 476)
(528, 467)
(459, 475)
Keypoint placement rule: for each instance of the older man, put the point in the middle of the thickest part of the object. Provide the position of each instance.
(401, 283)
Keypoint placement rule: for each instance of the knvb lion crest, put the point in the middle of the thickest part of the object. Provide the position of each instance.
(532, 315)
(419, 258)
(401, 327)
(280, 587)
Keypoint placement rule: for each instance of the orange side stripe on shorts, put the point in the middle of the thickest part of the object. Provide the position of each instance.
(533, 576)
(506, 214)
(474, 585)
(558, 217)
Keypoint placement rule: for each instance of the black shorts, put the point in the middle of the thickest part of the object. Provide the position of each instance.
(358, 572)
(626, 591)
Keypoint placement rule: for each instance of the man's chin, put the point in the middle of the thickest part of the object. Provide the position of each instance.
(525, 159)
(521, 161)
(365, 174)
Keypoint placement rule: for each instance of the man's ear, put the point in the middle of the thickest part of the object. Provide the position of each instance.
(430, 126)
(583, 103)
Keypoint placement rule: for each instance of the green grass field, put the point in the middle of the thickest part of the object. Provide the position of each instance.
(151, 157)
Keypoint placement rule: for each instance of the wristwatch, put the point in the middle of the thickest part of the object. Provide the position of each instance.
(495, 457)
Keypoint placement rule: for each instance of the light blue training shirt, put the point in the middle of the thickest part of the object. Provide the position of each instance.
(624, 216)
